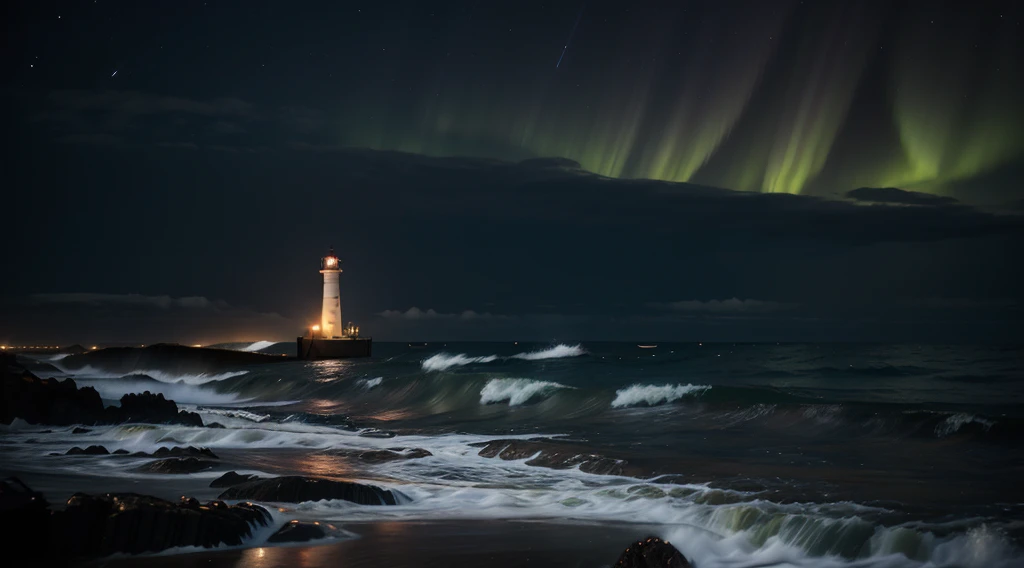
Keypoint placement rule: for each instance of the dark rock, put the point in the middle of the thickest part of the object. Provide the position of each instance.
(377, 434)
(652, 552)
(231, 479)
(62, 403)
(153, 409)
(215, 425)
(176, 465)
(551, 455)
(179, 452)
(92, 526)
(80, 430)
(90, 451)
(51, 401)
(119, 452)
(297, 531)
(296, 489)
(25, 514)
(382, 456)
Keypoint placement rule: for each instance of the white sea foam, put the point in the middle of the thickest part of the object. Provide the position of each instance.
(516, 391)
(557, 352)
(259, 345)
(243, 414)
(653, 394)
(957, 421)
(444, 361)
(370, 383)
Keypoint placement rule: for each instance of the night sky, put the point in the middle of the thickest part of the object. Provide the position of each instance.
(685, 170)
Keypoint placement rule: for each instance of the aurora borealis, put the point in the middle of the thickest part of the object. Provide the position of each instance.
(808, 97)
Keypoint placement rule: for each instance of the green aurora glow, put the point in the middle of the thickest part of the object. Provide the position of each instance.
(768, 100)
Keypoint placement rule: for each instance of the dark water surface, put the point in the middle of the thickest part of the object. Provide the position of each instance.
(742, 455)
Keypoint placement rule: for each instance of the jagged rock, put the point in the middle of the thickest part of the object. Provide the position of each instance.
(26, 515)
(81, 430)
(297, 531)
(377, 434)
(62, 403)
(179, 451)
(176, 465)
(382, 456)
(652, 552)
(90, 451)
(151, 408)
(46, 402)
(551, 455)
(99, 525)
(296, 489)
(231, 479)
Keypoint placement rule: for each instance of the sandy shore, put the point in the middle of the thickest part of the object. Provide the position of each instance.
(410, 544)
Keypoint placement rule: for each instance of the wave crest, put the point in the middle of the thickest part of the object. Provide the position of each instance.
(517, 391)
(259, 345)
(954, 423)
(444, 361)
(557, 352)
(652, 395)
(370, 383)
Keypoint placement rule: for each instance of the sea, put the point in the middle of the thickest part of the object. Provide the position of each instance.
(741, 455)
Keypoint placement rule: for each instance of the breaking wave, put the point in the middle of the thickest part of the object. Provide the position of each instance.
(259, 345)
(516, 391)
(557, 352)
(953, 424)
(445, 361)
(182, 393)
(651, 395)
(162, 376)
(370, 383)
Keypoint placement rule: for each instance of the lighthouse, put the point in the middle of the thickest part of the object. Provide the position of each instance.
(330, 317)
(329, 338)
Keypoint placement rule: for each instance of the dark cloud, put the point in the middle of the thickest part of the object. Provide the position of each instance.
(162, 302)
(898, 196)
(127, 104)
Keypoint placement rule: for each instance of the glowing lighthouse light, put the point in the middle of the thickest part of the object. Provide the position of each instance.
(330, 317)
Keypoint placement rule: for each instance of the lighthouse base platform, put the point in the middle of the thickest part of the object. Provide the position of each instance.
(312, 348)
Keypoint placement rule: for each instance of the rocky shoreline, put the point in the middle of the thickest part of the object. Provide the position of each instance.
(92, 526)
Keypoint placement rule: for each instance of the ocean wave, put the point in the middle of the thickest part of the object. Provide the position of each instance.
(182, 393)
(445, 361)
(652, 395)
(370, 383)
(557, 352)
(516, 391)
(259, 345)
(155, 374)
(957, 421)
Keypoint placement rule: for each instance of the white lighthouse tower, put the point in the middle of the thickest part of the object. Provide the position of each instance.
(329, 339)
(331, 326)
